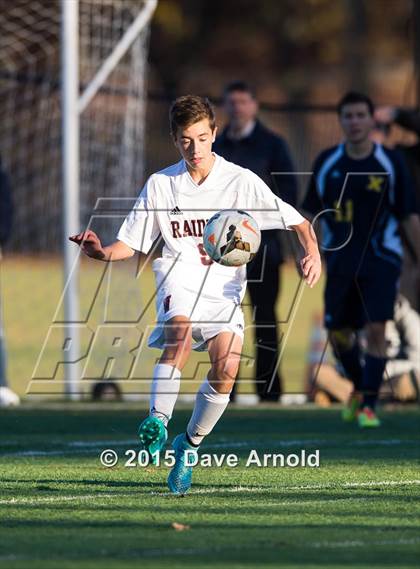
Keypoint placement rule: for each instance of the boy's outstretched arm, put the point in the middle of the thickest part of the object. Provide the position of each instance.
(311, 262)
(91, 245)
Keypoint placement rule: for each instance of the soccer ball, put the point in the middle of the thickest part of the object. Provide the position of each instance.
(231, 237)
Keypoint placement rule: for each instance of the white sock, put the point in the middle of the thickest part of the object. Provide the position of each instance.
(209, 407)
(164, 391)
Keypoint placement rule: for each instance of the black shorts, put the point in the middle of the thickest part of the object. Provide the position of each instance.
(351, 302)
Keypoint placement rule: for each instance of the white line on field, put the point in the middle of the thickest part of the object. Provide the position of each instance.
(356, 484)
(264, 489)
(332, 486)
(102, 443)
(238, 444)
(42, 499)
(300, 442)
(24, 453)
(212, 490)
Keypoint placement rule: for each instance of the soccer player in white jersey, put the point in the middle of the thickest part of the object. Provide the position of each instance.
(198, 301)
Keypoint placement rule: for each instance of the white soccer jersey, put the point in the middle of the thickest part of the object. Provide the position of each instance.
(172, 205)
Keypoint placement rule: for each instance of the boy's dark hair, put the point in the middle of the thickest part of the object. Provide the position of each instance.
(241, 86)
(353, 97)
(188, 110)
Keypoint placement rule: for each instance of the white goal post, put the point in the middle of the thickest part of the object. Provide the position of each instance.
(72, 109)
(73, 105)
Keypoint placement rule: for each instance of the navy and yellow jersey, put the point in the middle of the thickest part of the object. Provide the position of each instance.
(360, 204)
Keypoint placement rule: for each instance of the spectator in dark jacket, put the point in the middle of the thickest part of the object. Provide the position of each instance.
(248, 143)
(408, 119)
(7, 396)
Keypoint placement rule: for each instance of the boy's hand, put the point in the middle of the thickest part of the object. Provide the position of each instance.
(311, 269)
(90, 244)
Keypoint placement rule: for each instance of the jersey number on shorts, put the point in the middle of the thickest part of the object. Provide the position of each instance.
(205, 259)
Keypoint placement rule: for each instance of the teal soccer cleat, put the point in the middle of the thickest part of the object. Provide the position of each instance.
(179, 479)
(153, 436)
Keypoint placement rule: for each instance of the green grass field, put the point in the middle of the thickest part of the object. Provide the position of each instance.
(60, 508)
(31, 289)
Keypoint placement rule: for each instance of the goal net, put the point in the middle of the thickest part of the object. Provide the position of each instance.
(111, 126)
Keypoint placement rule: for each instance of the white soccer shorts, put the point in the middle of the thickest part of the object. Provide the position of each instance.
(209, 316)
